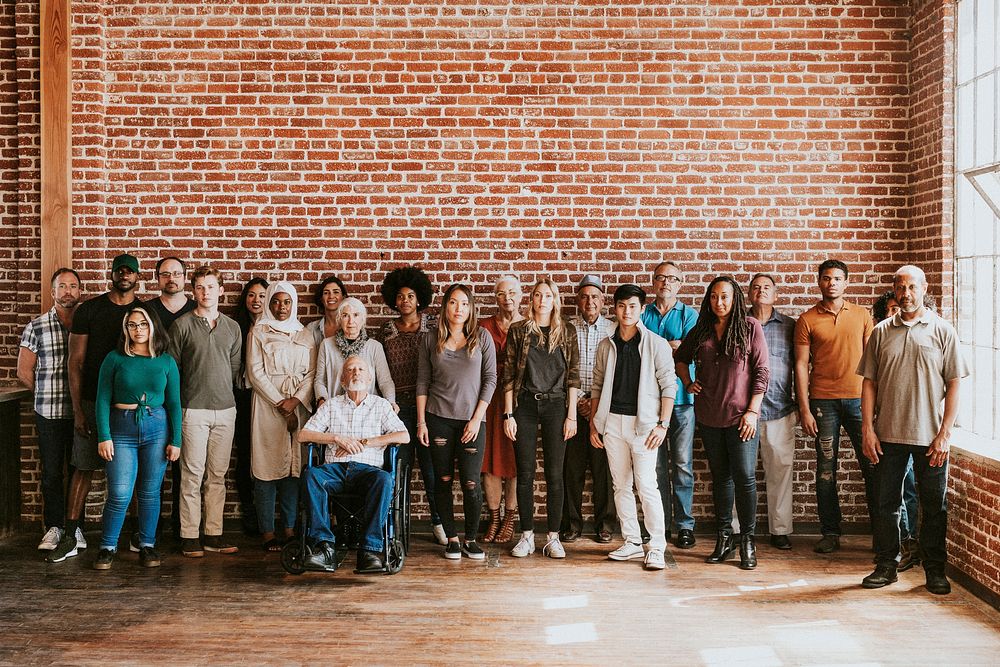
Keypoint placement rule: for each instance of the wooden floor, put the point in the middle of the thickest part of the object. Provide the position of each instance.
(797, 608)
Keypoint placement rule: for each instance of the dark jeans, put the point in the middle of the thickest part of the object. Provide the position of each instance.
(55, 445)
(550, 414)
(287, 491)
(373, 484)
(241, 443)
(408, 415)
(932, 488)
(579, 456)
(733, 463)
(908, 510)
(830, 415)
(446, 447)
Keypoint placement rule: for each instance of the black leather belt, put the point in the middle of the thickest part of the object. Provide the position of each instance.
(546, 397)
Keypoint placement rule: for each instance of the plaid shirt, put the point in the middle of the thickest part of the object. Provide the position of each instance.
(779, 334)
(373, 417)
(49, 340)
(587, 338)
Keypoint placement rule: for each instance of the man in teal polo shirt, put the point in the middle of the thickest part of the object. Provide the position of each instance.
(671, 319)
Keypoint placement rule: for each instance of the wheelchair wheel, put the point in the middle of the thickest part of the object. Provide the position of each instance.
(397, 554)
(401, 514)
(293, 557)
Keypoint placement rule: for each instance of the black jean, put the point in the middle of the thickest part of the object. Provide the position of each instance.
(446, 446)
(414, 450)
(55, 444)
(579, 456)
(550, 414)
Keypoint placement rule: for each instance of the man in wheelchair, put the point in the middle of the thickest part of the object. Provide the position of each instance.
(356, 427)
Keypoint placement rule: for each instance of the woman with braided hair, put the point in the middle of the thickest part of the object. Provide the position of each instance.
(731, 358)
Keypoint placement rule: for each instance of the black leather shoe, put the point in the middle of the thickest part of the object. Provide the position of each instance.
(748, 552)
(827, 544)
(369, 562)
(322, 559)
(603, 537)
(781, 542)
(937, 583)
(685, 538)
(725, 545)
(882, 576)
(570, 535)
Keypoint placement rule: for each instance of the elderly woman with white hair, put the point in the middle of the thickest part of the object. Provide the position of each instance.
(281, 355)
(351, 339)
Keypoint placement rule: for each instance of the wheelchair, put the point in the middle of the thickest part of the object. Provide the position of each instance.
(345, 510)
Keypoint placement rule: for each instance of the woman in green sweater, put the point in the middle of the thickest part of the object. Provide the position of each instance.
(138, 412)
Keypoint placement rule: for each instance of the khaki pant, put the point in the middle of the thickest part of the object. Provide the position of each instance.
(207, 442)
(777, 449)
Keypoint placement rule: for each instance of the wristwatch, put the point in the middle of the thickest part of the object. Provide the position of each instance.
(508, 415)
(364, 442)
(663, 423)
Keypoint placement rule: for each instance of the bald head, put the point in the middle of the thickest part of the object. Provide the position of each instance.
(913, 272)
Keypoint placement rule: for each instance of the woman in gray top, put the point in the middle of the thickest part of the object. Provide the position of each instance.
(456, 378)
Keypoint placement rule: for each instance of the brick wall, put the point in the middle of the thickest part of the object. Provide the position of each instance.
(478, 138)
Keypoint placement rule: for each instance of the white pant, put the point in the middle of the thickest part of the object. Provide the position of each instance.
(207, 442)
(777, 449)
(629, 460)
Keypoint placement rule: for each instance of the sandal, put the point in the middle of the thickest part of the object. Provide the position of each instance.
(491, 532)
(273, 545)
(507, 529)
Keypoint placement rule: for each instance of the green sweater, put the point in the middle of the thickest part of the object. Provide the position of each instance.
(146, 381)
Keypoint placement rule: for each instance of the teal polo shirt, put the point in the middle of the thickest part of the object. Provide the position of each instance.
(673, 325)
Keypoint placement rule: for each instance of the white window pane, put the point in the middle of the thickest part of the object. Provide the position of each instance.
(996, 312)
(966, 299)
(984, 393)
(986, 121)
(966, 406)
(966, 40)
(965, 195)
(986, 36)
(984, 289)
(964, 126)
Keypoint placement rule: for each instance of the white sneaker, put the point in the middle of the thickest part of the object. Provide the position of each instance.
(654, 560)
(627, 551)
(81, 541)
(50, 539)
(554, 548)
(439, 535)
(525, 546)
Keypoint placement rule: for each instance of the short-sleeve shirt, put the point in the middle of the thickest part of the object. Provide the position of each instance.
(100, 320)
(371, 418)
(779, 334)
(167, 317)
(835, 342)
(911, 362)
(674, 324)
(49, 340)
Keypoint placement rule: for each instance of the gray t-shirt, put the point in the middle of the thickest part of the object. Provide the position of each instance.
(453, 381)
(209, 360)
(911, 362)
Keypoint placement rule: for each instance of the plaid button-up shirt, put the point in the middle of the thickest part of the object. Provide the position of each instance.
(587, 338)
(779, 334)
(371, 418)
(49, 340)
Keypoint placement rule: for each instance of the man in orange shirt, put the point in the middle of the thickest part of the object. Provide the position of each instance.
(829, 340)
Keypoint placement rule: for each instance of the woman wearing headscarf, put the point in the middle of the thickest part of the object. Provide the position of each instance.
(280, 362)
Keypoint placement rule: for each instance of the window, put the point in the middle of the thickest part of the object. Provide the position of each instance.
(977, 220)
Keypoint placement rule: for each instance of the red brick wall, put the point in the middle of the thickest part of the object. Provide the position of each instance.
(479, 138)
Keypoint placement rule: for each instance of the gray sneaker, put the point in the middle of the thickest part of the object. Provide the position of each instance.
(51, 539)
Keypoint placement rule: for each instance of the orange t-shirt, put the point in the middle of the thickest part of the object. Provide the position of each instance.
(835, 342)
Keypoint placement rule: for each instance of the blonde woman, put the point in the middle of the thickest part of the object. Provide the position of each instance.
(541, 382)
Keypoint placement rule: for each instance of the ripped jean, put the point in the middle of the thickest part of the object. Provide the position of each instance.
(446, 447)
(830, 415)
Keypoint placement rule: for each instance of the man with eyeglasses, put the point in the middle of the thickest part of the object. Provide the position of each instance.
(672, 319)
(172, 302)
(97, 325)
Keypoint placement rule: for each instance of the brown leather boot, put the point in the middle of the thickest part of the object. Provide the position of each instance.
(491, 532)
(507, 529)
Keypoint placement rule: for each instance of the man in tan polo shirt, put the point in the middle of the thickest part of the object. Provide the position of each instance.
(829, 340)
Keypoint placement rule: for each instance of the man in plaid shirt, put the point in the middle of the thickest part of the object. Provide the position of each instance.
(41, 366)
(356, 427)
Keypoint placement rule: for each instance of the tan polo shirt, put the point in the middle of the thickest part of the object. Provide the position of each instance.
(911, 362)
(835, 342)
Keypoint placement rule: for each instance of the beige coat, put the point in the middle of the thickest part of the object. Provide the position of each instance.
(279, 366)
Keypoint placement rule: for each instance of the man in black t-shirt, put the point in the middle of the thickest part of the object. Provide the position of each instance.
(97, 325)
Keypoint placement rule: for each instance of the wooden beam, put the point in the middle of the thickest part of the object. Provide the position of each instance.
(56, 131)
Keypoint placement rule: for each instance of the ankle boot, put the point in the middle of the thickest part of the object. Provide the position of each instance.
(506, 531)
(748, 552)
(724, 547)
(494, 528)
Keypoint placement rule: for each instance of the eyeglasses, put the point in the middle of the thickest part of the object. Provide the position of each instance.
(659, 277)
(171, 274)
(137, 326)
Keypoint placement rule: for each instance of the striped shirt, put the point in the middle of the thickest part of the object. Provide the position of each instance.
(371, 418)
(48, 339)
(587, 338)
(779, 334)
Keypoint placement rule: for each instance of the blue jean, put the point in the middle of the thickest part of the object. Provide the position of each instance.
(408, 415)
(674, 469)
(139, 456)
(908, 510)
(550, 414)
(287, 491)
(830, 415)
(733, 464)
(55, 445)
(372, 484)
(932, 487)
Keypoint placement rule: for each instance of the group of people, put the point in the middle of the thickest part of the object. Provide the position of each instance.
(130, 385)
